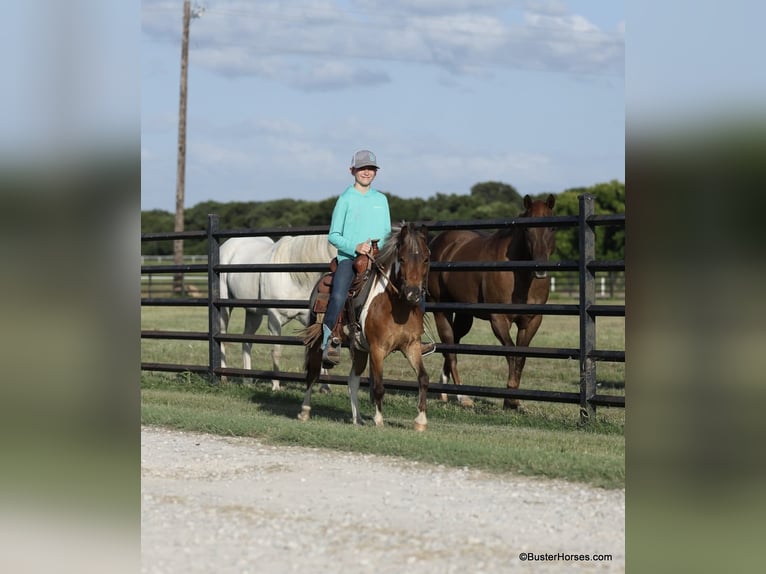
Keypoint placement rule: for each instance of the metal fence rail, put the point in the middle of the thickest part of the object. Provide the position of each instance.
(587, 309)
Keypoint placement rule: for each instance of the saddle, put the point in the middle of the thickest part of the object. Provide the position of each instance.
(357, 293)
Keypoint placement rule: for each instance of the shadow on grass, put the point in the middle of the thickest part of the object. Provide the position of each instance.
(288, 405)
(611, 385)
(603, 384)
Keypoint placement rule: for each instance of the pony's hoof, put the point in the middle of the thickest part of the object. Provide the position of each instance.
(325, 389)
(444, 397)
(466, 402)
(305, 414)
(420, 427)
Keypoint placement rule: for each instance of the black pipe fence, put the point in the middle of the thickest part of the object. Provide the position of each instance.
(587, 309)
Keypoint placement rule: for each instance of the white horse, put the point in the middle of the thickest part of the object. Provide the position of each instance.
(270, 285)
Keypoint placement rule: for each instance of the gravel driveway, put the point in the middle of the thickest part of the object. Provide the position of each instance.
(236, 505)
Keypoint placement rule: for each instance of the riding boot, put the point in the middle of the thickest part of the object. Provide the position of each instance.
(330, 348)
(326, 332)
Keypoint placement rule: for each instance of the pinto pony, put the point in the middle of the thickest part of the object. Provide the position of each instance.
(522, 286)
(390, 320)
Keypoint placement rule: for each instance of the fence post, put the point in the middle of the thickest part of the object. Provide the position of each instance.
(213, 294)
(587, 242)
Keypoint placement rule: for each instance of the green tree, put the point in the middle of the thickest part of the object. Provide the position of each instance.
(157, 221)
(489, 192)
(486, 200)
(610, 240)
(405, 209)
(322, 212)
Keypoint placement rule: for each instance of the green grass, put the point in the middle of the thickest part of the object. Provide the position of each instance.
(538, 442)
(545, 440)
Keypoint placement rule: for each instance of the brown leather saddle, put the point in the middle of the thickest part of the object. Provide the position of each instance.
(357, 293)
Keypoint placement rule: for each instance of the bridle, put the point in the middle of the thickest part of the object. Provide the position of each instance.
(391, 284)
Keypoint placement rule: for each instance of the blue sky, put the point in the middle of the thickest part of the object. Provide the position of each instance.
(447, 93)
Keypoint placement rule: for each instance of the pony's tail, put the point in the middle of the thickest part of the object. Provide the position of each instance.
(311, 335)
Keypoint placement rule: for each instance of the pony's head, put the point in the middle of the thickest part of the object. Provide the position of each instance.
(540, 241)
(407, 259)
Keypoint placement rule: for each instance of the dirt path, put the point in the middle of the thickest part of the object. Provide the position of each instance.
(223, 505)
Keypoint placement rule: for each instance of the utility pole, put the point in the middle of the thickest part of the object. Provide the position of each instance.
(178, 244)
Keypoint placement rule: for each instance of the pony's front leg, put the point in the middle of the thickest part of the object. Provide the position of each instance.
(416, 362)
(354, 378)
(376, 384)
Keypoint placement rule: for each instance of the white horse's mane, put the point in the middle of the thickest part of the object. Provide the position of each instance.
(303, 249)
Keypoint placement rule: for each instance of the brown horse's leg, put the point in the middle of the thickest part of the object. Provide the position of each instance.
(376, 383)
(415, 358)
(460, 328)
(501, 327)
(313, 368)
(444, 328)
(523, 339)
(451, 329)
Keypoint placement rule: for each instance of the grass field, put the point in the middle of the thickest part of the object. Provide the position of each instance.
(545, 440)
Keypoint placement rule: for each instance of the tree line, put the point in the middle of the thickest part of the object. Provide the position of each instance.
(486, 200)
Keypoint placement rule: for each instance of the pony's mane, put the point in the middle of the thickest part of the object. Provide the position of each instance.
(303, 249)
(387, 254)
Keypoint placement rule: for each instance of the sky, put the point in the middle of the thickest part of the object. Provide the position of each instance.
(447, 93)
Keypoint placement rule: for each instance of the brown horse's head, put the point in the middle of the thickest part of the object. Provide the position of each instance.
(407, 259)
(540, 241)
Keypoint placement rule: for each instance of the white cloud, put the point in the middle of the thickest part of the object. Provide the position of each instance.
(335, 75)
(323, 45)
(430, 6)
(457, 165)
(204, 153)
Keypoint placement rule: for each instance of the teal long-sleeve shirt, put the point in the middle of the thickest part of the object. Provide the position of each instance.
(358, 217)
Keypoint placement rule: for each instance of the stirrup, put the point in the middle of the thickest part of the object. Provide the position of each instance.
(331, 353)
(427, 348)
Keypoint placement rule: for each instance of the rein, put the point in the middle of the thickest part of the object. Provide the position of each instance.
(382, 272)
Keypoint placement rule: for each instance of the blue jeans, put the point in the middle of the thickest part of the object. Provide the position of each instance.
(341, 283)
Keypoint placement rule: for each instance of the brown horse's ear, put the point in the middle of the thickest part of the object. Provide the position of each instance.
(527, 202)
(551, 201)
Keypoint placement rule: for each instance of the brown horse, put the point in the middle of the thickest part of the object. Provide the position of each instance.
(517, 243)
(390, 320)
